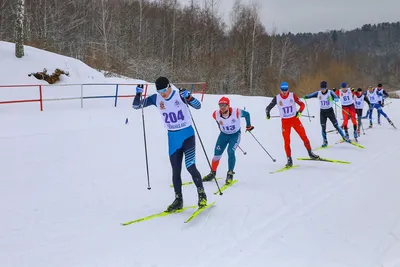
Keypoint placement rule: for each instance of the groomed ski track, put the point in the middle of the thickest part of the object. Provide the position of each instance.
(71, 176)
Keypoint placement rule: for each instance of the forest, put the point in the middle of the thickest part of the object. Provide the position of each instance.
(144, 39)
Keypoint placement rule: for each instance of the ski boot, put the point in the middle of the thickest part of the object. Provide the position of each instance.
(202, 197)
(229, 177)
(325, 143)
(289, 162)
(312, 155)
(355, 135)
(359, 132)
(177, 204)
(209, 177)
(370, 124)
(346, 134)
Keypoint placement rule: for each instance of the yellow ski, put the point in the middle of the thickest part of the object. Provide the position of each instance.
(225, 186)
(285, 169)
(161, 214)
(191, 182)
(198, 211)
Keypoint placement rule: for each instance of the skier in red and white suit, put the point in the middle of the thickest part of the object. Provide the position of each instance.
(290, 118)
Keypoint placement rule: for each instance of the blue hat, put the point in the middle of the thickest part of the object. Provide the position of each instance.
(284, 86)
(343, 85)
(324, 85)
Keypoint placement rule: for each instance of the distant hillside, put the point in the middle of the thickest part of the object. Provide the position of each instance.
(145, 39)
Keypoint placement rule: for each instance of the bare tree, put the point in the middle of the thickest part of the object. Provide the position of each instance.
(19, 29)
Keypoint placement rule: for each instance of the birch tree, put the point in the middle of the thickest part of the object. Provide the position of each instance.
(19, 29)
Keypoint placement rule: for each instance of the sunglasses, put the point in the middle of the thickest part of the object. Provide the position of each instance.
(223, 105)
(163, 90)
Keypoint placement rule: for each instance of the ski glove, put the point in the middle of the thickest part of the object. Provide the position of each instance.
(249, 128)
(185, 94)
(268, 116)
(139, 89)
(298, 114)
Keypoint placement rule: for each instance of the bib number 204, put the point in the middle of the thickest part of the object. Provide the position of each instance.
(173, 117)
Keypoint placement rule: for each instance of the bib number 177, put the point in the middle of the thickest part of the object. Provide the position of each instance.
(287, 110)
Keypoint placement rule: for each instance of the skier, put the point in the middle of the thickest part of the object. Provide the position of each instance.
(348, 108)
(228, 120)
(173, 107)
(374, 97)
(290, 118)
(383, 94)
(360, 97)
(325, 96)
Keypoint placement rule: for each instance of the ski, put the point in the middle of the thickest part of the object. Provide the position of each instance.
(326, 160)
(225, 186)
(198, 211)
(322, 147)
(284, 169)
(191, 182)
(157, 215)
(351, 142)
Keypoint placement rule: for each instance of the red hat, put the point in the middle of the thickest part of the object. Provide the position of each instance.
(224, 100)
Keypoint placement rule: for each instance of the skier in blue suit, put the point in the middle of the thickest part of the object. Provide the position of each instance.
(325, 98)
(374, 97)
(173, 107)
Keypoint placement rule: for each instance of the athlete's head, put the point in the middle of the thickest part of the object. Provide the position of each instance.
(359, 91)
(343, 86)
(284, 88)
(370, 88)
(379, 86)
(224, 104)
(163, 87)
(324, 86)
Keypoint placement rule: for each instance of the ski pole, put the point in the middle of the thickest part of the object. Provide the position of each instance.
(308, 116)
(244, 152)
(201, 142)
(262, 147)
(145, 144)
(308, 113)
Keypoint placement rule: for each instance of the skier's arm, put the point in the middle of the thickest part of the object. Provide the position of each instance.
(138, 103)
(299, 102)
(246, 115)
(334, 97)
(367, 100)
(271, 106)
(188, 98)
(385, 94)
(312, 95)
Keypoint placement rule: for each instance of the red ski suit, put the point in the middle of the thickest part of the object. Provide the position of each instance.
(348, 111)
(289, 122)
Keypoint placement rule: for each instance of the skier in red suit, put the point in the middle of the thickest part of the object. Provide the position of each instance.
(290, 118)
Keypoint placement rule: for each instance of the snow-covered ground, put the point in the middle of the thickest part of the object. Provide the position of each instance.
(70, 176)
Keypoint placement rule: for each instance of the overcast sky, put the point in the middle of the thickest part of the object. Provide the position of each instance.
(317, 15)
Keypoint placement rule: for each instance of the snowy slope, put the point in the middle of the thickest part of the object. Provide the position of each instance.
(70, 176)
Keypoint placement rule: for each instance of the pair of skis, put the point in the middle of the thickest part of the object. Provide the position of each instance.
(166, 213)
(318, 159)
(194, 214)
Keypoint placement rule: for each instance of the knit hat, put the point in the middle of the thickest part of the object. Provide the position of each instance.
(162, 83)
(224, 100)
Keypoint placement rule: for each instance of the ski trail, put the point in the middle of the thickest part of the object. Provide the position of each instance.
(267, 231)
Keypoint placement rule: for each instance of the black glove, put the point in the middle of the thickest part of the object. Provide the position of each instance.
(268, 116)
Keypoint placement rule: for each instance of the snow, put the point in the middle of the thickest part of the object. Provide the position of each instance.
(70, 176)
